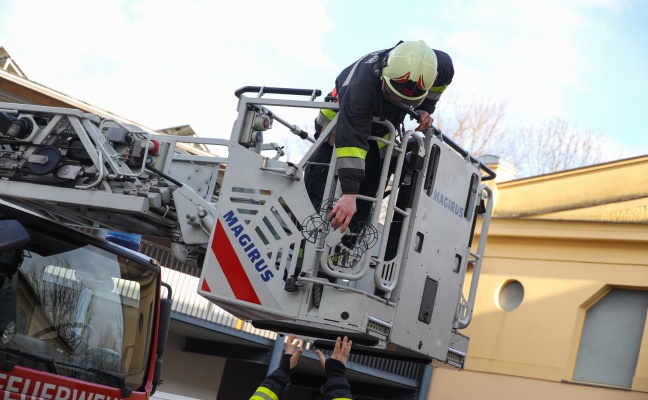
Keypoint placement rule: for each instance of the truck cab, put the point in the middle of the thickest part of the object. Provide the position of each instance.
(78, 314)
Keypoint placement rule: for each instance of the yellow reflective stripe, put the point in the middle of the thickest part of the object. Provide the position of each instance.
(263, 393)
(330, 114)
(356, 152)
(439, 89)
(381, 144)
(341, 398)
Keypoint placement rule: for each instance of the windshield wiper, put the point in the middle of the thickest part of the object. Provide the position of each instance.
(47, 360)
(8, 365)
(120, 379)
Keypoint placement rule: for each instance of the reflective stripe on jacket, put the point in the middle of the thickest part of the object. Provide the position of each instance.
(274, 386)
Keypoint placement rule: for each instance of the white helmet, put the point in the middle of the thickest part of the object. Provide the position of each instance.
(410, 73)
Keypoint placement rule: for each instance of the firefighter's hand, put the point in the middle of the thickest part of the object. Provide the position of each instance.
(293, 347)
(340, 351)
(343, 212)
(425, 121)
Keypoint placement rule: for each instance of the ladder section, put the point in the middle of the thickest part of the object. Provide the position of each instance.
(84, 170)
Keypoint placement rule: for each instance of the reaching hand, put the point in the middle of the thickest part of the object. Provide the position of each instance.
(340, 351)
(343, 211)
(293, 347)
(425, 121)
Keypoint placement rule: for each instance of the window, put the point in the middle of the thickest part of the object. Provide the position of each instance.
(611, 338)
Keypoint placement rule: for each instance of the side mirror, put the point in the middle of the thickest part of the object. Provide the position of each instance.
(157, 375)
(163, 333)
(165, 320)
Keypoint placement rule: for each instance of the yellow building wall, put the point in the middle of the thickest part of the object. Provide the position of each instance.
(470, 385)
(564, 267)
(616, 191)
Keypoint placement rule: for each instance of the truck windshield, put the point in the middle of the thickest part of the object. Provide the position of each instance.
(76, 309)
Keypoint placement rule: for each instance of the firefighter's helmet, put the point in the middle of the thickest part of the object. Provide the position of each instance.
(410, 73)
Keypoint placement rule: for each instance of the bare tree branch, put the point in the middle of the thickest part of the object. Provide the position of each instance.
(477, 124)
(480, 126)
(555, 145)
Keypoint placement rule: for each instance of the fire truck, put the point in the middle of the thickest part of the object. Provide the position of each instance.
(82, 315)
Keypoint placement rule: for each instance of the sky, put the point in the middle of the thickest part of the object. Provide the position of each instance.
(165, 63)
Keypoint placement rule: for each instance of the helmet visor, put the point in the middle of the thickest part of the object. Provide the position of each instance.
(403, 93)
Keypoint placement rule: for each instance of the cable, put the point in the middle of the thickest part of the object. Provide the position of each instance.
(165, 176)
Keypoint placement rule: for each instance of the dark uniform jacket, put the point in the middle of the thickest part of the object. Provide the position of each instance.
(359, 90)
(336, 386)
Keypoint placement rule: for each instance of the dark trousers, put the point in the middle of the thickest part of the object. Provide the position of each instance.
(315, 180)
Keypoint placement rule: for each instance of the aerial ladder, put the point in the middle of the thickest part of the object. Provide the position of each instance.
(267, 255)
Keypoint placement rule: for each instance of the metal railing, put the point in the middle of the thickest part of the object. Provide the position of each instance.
(401, 369)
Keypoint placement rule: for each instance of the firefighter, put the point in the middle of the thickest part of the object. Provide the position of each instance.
(336, 385)
(382, 84)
